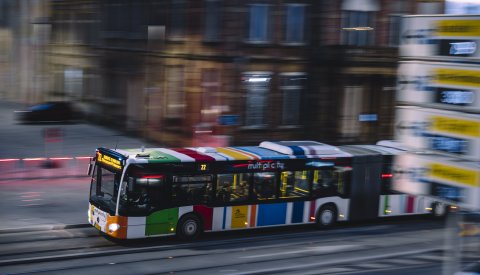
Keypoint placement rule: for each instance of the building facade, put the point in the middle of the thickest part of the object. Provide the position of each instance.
(216, 72)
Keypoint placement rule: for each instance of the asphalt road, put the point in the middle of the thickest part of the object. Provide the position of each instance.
(397, 246)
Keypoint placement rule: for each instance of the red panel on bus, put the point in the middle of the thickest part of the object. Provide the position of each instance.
(193, 154)
(410, 204)
(312, 210)
(207, 214)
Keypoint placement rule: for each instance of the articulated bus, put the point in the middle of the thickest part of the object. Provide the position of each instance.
(139, 193)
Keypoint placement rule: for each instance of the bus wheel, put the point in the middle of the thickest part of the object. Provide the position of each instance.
(189, 227)
(439, 210)
(326, 216)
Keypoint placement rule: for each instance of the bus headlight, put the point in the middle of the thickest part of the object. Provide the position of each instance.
(113, 227)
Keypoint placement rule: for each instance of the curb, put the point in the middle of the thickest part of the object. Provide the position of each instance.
(43, 228)
(44, 177)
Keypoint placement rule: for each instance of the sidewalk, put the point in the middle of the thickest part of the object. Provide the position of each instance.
(41, 168)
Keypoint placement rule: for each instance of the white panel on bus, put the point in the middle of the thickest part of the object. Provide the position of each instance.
(453, 133)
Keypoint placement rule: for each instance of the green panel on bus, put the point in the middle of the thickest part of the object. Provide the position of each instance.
(159, 157)
(162, 222)
(155, 156)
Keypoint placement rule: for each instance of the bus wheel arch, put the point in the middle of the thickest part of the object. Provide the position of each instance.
(189, 227)
(326, 215)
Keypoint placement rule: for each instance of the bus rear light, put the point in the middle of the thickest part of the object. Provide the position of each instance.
(386, 176)
(312, 218)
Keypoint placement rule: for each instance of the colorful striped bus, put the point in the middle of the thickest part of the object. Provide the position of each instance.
(139, 193)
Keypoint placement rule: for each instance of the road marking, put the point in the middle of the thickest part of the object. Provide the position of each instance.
(373, 265)
(404, 261)
(429, 257)
(328, 248)
(32, 200)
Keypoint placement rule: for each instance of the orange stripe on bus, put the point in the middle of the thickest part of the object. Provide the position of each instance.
(244, 152)
(234, 154)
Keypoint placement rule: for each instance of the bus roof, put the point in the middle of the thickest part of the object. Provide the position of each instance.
(266, 150)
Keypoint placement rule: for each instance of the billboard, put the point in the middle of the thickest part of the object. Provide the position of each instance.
(453, 133)
(441, 177)
(450, 86)
(455, 37)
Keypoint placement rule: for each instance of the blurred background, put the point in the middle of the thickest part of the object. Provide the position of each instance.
(79, 74)
(214, 72)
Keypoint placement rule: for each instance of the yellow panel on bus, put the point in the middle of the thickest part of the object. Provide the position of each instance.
(240, 216)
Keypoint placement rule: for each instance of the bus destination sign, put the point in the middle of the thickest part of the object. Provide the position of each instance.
(109, 161)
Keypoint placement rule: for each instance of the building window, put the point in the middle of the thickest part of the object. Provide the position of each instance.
(398, 8)
(394, 32)
(295, 23)
(257, 86)
(177, 19)
(175, 96)
(211, 99)
(357, 28)
(212, 20)
(258, 23)
(352, 104)
(292, 86)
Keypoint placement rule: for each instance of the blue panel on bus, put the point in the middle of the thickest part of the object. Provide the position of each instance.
(263, 153)
(297, 212)
(271, 214)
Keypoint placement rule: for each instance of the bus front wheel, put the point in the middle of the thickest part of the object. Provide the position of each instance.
(326, 216)
(189, 227)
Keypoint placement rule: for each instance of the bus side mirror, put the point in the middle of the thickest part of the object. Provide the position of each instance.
(90, 168)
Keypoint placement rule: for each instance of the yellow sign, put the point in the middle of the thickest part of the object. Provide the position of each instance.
(469, 229)
(239, 216)
(115, 163)
(456, 126)
(455, 174)
(470, 78)
(458, 28)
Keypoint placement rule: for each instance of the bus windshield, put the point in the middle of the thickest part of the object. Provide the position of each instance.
(104, 188)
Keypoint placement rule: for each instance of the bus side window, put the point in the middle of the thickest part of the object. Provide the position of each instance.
(225, 184)
(331, 182)
(294, 184)
(343, 178)
(264, 185)
(191, 190)
(232, 187)
(323, 183)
